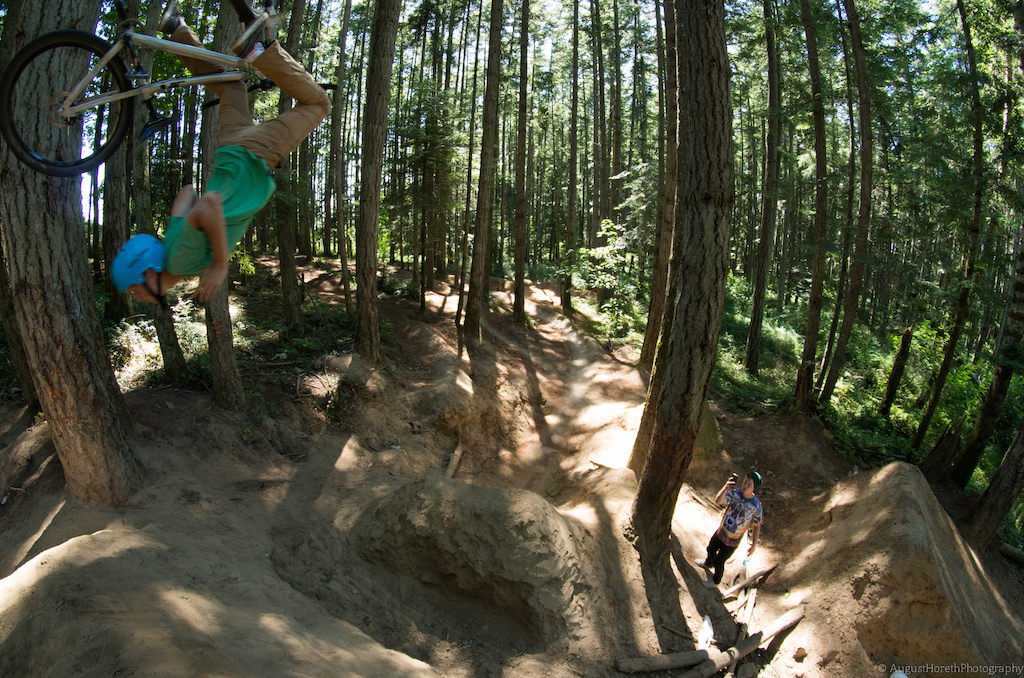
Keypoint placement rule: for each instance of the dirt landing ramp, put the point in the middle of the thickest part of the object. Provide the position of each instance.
(127, 602)
(509, 548)
(886, 562)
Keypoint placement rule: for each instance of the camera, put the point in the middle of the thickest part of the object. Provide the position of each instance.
(735, 478)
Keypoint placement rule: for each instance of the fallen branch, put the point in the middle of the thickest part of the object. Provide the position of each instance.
(748, 612)
(453, 465)
(667, 628)
(1004, 549)
(710, 661)
(746, 582)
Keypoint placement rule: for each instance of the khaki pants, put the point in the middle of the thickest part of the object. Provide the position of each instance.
(274, 139)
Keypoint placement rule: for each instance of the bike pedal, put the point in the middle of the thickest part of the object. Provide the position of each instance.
(154, 126)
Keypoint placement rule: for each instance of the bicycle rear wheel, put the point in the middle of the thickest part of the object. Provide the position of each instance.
(31, 91)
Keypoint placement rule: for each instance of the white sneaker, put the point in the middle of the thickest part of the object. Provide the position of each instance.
(710, 583)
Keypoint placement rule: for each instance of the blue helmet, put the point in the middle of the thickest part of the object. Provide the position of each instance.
(138, 254)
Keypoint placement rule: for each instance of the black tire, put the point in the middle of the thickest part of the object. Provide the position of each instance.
(34, 85)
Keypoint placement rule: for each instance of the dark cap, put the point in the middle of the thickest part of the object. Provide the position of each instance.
(756, 477)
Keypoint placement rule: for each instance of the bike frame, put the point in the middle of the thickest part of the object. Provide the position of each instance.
(129, 39)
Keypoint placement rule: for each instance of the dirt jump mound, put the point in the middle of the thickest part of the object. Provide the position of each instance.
(507, 548)
(898, 576)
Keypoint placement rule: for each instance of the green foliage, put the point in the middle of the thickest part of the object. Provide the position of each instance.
(135, 354)
(541, 271)
(780, 352)
(609, 269)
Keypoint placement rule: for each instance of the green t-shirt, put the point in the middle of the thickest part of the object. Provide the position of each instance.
(245, 185)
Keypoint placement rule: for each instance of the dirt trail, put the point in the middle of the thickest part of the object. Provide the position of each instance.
(251, 551)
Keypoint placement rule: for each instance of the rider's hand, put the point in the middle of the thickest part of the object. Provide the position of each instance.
(210, 282)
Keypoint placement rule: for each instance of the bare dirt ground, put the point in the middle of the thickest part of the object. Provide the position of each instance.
(284, 542)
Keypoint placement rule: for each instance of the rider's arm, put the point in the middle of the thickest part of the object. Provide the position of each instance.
(720, 498)
(208, 216)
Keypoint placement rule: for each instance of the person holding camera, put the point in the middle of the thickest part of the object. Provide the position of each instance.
(743, 510)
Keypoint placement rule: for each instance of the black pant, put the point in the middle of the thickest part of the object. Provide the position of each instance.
(718, 553)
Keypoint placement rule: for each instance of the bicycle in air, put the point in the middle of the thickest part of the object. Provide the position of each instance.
(67, 99)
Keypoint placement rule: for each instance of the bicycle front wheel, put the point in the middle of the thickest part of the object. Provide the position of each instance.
(36, 84)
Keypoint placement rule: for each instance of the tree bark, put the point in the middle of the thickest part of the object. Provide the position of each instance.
(175, 366)
(519, 291)
(992, 406)
(769, 201)
(898, 365)
(286, 221)
(705, 200)
(227, 381)
(469, 179)
(339, 167)
(642, 442)
(819, 231)
(935, 466)
(479, 271)
(12, 333)
(983, 521)
(663, 249)
(44, 239)
(864, 212)
(378, 89)
(600, 142)
(571, 236)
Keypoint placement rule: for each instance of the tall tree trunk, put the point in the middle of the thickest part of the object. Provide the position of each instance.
(378, 89)
(175, 366)
(227, 381)
(479, 273)
(864, 210)
(44, 239)
(992, 406)
(615, 119)
(571, 237)
(770, 199)
(819, 230)
(898, 365)
(974, 230)
(663, 248)
(705, 200)
(286, 221)
(116, 212)
(982, 522)
(338, 178)
(469, 175)
(600, 197)
(519, 291)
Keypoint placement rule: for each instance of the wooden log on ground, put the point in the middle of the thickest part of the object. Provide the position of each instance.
(661, 662)
(713, 660)
(717, 661)
(746, 582)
